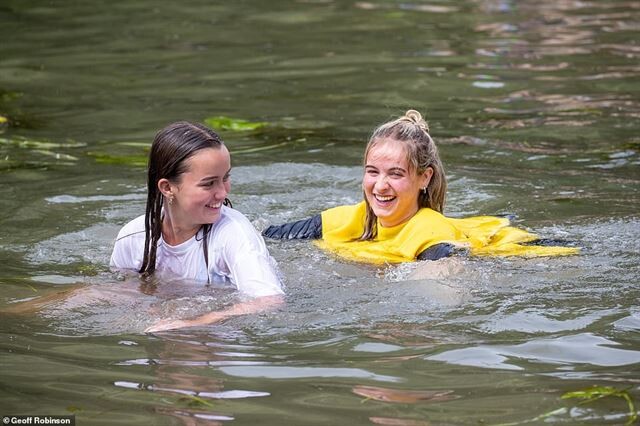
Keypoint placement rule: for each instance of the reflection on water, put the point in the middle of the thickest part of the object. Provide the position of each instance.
(576, 349)
(534, 105)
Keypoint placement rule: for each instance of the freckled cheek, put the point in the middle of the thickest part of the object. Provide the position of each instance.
(368, 183)
(402, 186)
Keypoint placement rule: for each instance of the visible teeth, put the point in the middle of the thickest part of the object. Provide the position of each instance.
(385, 197)
(215, 206)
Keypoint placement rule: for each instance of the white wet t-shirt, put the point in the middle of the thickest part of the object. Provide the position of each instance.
(237, 255)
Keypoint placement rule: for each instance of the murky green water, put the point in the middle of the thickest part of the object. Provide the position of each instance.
(535, 105)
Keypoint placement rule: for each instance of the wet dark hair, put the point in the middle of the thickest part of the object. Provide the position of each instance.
(413, 132)
(171, 148)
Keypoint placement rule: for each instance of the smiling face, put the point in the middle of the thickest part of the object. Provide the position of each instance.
(201, 189)
(390, 185)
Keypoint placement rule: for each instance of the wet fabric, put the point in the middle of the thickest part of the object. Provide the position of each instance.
(311, 229)
(437, 251)
(306, 229)
(480, 235)
(237, 255)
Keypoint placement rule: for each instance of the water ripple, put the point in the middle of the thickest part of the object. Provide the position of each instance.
(585, 348)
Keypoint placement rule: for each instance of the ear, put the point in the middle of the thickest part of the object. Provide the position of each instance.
(165, 187)
(425, 177)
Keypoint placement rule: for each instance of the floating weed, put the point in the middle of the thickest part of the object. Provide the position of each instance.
(129, 160)
(588, 395)
(195, 401)
(42, 148)
(33, 144)
(137, 160)
(537, 418)
(395, 15)
(145, 145)
(8, 96)
(228, 123)
(258, 148)
(7, 163)
(598, 392)
(90, 270)
(56, 155)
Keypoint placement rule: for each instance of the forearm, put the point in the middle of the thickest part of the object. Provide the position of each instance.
(252, 306)
(307, 229)
(242, 308)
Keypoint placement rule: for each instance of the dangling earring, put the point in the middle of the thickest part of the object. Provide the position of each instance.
(424, 190)
(170, 199)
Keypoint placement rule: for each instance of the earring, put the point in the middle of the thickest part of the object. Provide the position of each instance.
(424, 190)
(170, 199)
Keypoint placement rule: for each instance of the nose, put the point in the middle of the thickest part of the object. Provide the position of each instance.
(381, 182)
(222, 191)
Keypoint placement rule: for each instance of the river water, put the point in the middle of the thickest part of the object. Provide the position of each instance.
(535, 106)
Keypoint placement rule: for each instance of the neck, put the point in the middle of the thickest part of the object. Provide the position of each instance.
(175, 233)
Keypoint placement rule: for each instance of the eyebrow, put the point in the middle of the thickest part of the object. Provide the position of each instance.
(392, 169)
(209, 178)
(397, 169)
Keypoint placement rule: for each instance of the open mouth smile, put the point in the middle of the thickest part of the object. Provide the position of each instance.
(214, 206)
(384, 199)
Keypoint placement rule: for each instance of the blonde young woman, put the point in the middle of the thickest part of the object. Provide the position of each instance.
(400, 218)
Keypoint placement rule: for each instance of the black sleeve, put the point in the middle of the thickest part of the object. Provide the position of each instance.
(437, 251)
(306, 229)
(550, 242)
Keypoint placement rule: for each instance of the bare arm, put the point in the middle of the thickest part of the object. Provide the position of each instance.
(249, 307)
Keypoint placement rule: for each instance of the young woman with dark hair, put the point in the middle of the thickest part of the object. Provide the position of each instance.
(190, 231)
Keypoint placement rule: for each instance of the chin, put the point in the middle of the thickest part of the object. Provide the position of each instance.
(212, 218)
(381, 214)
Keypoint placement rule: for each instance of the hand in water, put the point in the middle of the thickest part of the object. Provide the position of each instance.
(205, 319)
(165, 325)
(243, 308)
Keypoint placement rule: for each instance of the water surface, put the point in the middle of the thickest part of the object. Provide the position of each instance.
(535, 107)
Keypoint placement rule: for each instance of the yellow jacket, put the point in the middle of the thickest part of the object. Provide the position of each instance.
(481, 235)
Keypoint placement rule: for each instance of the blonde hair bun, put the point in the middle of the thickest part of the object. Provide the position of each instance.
(414, 117)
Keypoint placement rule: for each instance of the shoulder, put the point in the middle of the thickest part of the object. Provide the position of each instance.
(235, 228)
(432, 218)
(352, 209)
(346, 222)
(233, 219)
(426, 212)
(129, 245)
(132, 229)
